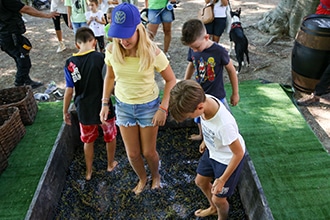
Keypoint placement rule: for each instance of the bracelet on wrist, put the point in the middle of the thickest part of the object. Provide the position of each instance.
(164, 109)
(105, 104)
(105, 99)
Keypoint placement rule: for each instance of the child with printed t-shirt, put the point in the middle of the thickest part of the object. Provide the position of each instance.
(96, 22)
(83, 76)
(207, 60)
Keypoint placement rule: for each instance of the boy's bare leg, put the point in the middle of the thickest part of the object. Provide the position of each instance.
(204, 183)
(111, 150)
(89, 155)
(222, 207)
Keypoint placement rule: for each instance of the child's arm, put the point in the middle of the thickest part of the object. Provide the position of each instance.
(170, 80)
(234, 98)
(102, 20)
(189, 71)
(89, 18)
(113, 2)
(238, 155)
(66, 104)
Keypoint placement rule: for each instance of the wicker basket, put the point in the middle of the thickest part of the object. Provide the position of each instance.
(21, 97)
(12, 129)
(3, 161)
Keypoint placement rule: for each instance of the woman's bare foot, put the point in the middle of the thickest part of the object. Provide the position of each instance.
(112, 166)
(195, 137)
(88, 175)
(139, 187)
(156, 183)
(206, 212)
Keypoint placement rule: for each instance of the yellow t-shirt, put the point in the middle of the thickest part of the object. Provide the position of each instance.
(132, 86)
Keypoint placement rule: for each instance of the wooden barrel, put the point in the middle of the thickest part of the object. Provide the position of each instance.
(311, 52)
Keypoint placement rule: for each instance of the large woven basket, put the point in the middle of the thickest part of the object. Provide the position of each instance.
(12, 129)
(21, 97)
(3, 161)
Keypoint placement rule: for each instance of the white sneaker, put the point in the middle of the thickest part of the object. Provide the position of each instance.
(61, 47)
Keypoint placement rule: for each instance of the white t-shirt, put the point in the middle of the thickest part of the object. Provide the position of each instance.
(219, 132)
(97, 28)
(219, 11)
(58, 5)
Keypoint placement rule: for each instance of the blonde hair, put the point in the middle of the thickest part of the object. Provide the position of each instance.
(146, 49)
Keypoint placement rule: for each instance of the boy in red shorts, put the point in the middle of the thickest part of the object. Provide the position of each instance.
(83, 76)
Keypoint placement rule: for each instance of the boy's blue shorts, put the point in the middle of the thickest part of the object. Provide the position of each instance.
(210, 168)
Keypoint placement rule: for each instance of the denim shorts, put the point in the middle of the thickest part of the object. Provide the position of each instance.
(136, 114)
(78, 25)
(211, 168)
(157, 16)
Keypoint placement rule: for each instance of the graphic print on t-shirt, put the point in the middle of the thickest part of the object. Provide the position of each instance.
(204, 70)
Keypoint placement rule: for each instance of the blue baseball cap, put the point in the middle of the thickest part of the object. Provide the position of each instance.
(125, 19)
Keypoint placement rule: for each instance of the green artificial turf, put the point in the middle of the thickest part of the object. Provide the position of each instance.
(27, 161)
(292, 165)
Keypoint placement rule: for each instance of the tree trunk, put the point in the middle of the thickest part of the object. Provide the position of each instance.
(286, 18)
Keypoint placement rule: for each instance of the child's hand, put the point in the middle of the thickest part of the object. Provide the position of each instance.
(67, 119)
(217, 186)
(202, 147)
(104, 114)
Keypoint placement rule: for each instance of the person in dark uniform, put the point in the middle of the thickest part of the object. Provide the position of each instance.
(322, 86)
(12, 40)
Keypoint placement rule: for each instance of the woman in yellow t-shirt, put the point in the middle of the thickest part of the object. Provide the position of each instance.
(132, 60)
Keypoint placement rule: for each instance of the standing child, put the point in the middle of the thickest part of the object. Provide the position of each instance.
(132, 60)
(223, 147)
(76, 14)
(96, 22)
(206, 61)
(107, 26)
(83, 75)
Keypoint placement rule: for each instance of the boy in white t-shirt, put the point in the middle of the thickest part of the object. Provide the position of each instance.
(223, 147)
(96, 21)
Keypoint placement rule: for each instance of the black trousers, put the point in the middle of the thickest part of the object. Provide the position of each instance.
(17, 47)
(322, 87)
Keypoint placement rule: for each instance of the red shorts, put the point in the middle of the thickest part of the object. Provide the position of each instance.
(89, 133)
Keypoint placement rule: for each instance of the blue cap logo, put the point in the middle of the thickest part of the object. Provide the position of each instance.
(120, 17)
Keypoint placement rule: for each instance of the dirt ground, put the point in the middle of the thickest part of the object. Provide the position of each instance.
(271, 63)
